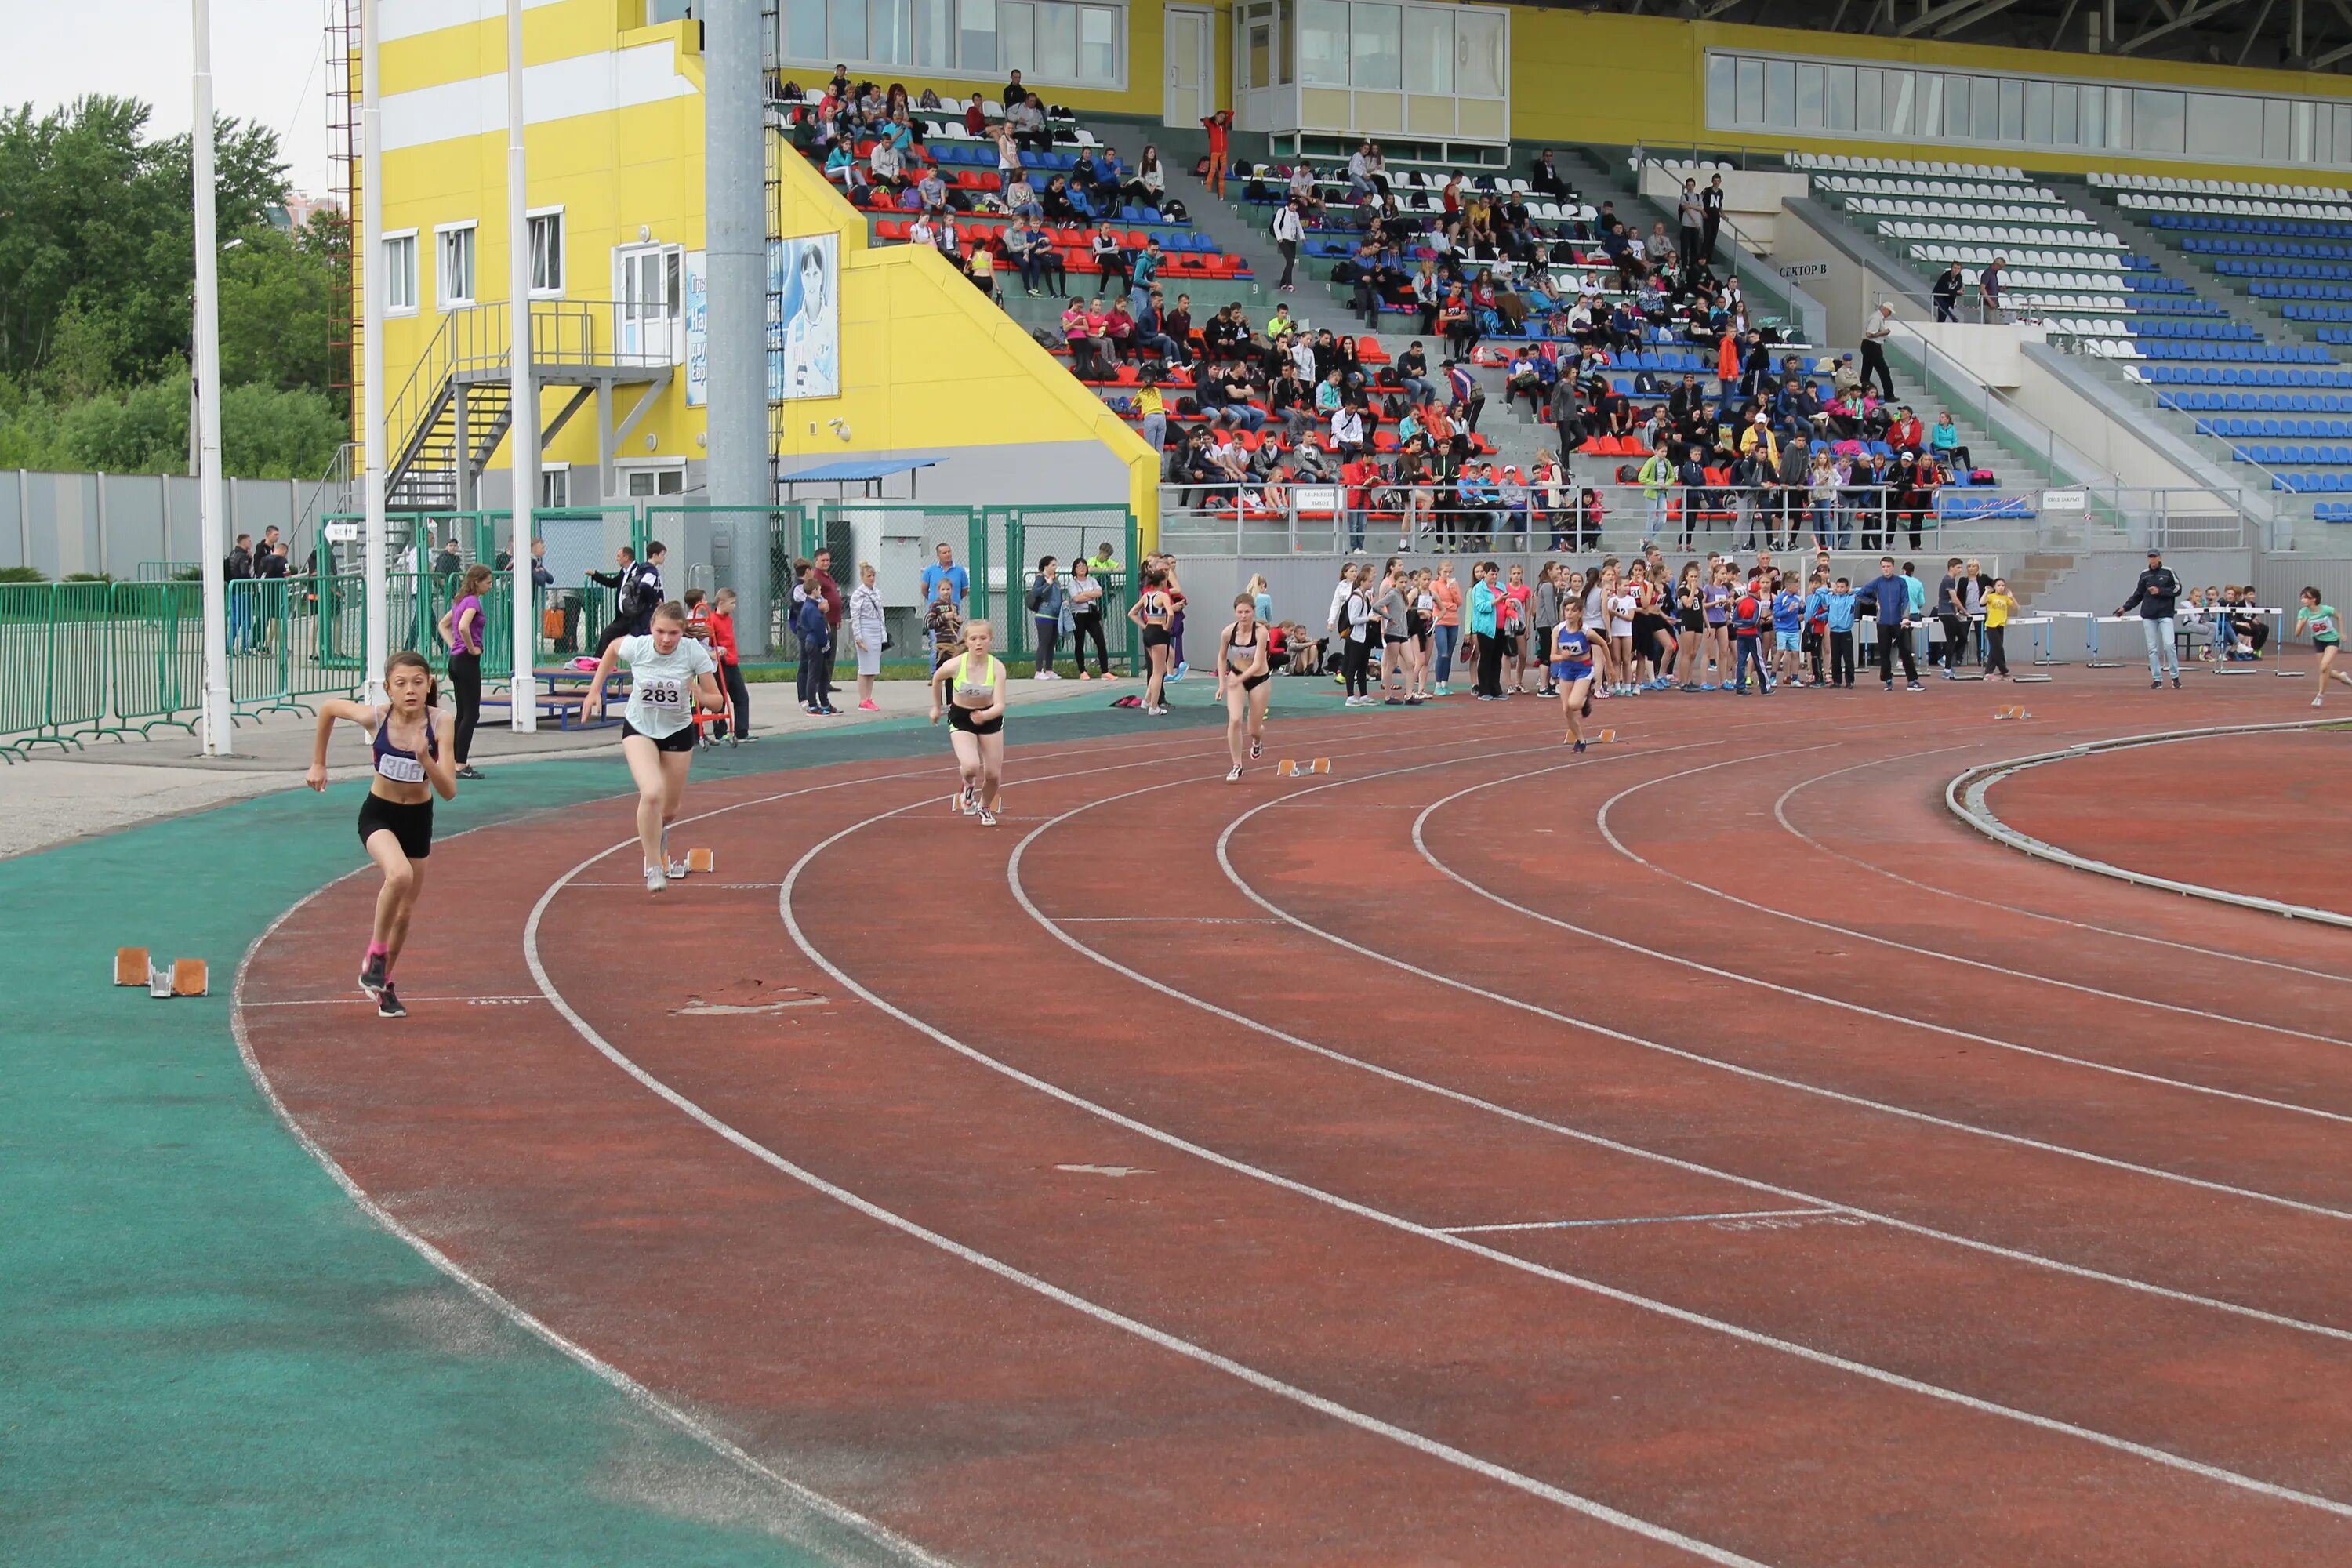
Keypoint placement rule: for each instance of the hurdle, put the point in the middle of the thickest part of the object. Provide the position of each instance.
(1293, 768)
(2090, 624)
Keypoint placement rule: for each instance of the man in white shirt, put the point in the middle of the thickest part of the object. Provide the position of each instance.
(1348, 430)
(886, 166)
(1290, 228)
(1359, 172)
(1875, 334)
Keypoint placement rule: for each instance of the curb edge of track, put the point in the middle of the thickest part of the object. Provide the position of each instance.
(1964, 794)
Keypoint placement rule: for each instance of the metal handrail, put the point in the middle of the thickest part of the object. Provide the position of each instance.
(1796, 304)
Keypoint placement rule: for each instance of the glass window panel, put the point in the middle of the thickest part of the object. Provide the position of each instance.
(1017, 34)
(1780, 92)
(1257, 59)
(2037, 113)
(805, 37)
(932, 43)
(2012, 110)
(2119, 118)
(1901, 88)
(976, 41)
(1984, 109)
(1837, 98)
(2225, 125)
(1379, 46)
(1097, 44)
(1429, 52)
(1323, 42)
(2275, 130)
(1750, 98)
(2343, 134)
(1956, 106)
(2065, 114)
(2305, 113)
(1057, 42)
(1718, 86)
(848, 31)
(1809, 98)
(547, 253)
(1869, 100)
(2159, 121)
(887, 19)
(1479, 70)
(399, 273)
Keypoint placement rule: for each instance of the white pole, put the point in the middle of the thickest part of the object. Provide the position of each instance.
(522, 428)
(377, 440)
(206, 384)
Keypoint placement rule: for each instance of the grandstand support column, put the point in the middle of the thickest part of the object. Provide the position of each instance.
(217, 725)
(735, 240)
(376, 445)
(522, 396)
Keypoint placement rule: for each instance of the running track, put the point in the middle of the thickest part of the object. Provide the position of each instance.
(1706, 1150)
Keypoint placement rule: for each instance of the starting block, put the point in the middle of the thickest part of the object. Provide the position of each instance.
(2037, 679)
(702, 861)
(2248, 669)
(186, 977)
(2012, 711)
(1291, 767)
(1605, 737)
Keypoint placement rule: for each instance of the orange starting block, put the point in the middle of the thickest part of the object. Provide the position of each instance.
(1291, 767)
(2010, 713)
(184, 977)
(1606, 738)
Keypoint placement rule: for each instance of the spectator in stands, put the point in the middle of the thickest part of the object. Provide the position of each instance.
(1059, 208)
(1456, 321)
(884, 170)
(1906, 434)
(975, 117)
(1031, 246)
(1711, 208)
(841, 168)
(1110, 257)
(1150, 180)
(1224, 334)
(1624, 254)
(933, 190)
(1690, 215)
(1225, 394)
(1289, 401)
(1989, 285)
(1359, 172)
(1152, 339)
(1110, 180)
(1875, 334)
(1079, 335)
(1220, 127)
(1658, 250)
(1008, 156)
(1014, 91)
(1021, 198)
(1118, 328)
(1290, 228)
(1947, 292)
(1177, 324)
(1466, 399)
(1944, 444)
(1348, 432)
(1143, 270)
(1027, 117)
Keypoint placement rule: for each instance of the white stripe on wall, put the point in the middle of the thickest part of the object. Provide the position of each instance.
(559, 90)
(407, 19)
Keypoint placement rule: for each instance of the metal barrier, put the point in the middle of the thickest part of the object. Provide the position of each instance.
(1069, 534)
(156, 654)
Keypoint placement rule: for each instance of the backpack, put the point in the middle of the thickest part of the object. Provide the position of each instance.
(632, 595)
(808, 619)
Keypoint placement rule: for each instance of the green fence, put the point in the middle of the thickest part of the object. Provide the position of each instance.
(1069, 534)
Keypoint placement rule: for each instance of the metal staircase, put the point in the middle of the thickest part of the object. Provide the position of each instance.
(456, 405)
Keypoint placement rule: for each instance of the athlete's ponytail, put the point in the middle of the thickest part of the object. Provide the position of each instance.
(669, 610)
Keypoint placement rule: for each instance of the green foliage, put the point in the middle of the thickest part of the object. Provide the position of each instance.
(21, 575)
(96, 275)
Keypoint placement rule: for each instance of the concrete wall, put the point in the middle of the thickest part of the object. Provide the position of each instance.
(60, 524)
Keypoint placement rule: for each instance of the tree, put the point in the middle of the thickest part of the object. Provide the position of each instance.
(275, 291)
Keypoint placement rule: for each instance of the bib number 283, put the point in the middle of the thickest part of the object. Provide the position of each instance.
(663, 694)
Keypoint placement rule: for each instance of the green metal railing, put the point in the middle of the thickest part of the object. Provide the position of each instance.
(1068, 533)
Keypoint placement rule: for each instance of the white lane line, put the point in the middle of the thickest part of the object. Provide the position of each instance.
(1637, 1219)
(1170, 920)
(1600, 819)
(1508, 1260)
(1598, 1140)
(900, 1549)
(1927, 1118)
(410, 1001)
(1146, 1332)
(1781, 813)
(1799, 992)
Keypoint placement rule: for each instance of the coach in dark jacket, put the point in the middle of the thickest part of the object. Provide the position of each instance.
(1888, 597)
(2155, 596)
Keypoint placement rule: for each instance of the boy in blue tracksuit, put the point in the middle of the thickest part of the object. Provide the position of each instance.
(1888, 598)
(1817, 629)
(1838, 610)
(1787, 630)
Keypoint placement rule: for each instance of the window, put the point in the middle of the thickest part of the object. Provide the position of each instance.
(1479, 68)
(1323, 42)
(455, 247)
(639, 480)
(399, 273)
(1886, 104)
(547, 252)
(555, 485)
(1379, 40)
(1057, 42)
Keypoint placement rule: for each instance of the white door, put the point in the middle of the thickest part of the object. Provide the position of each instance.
(1191, 67)
(647, 287)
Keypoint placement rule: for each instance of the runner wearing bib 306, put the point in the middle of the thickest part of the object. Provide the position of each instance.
(2318, 619)
(670, 674)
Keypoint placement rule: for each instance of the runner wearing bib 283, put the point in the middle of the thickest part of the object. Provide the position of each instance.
(670, 675)
(968, 688)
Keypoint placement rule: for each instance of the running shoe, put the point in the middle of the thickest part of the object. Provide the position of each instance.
(1178, 673)
(470, 771)
(1580, 745)
(1443, 689)
(1913, 686)
(1235, 775)
(830, 711)
(869, 706)
(1413, 701)
(371, 973)
(2314, 702)
(987, 818)
(968, 802)
(2175, 683)
(387, 1005)
(1258, 747)
(1392, 701)
(1706, 685)
(811, 707)
(2156, 686)
(1886, 685)
(1687, 686)
(657, 879)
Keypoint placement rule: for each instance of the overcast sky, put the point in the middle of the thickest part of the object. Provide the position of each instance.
(268, 65)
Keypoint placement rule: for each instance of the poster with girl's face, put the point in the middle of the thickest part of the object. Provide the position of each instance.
(805, 323)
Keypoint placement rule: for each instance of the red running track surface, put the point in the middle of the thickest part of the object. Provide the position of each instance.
(2269, 815)
(1706, 1150)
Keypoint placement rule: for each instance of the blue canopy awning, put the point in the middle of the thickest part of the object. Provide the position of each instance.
(860, 470)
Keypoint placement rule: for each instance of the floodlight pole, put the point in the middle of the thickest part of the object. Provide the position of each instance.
(522, 426)
(368, 256)
(215, 711)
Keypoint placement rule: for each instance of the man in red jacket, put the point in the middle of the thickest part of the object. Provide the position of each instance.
(1906, 434)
